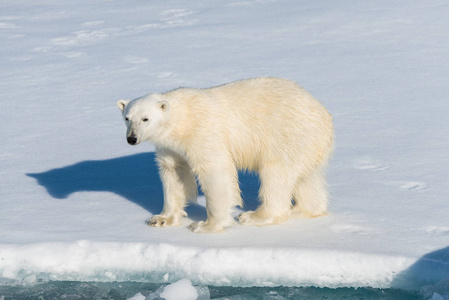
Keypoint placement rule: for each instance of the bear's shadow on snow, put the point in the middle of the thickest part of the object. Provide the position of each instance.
(133, 177)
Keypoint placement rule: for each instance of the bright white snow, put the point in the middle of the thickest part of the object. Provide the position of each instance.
(74, 196)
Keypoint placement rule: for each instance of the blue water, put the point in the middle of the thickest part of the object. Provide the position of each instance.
(125, 290)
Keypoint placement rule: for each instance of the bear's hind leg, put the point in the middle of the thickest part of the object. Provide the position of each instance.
(179, 184)
(310, 195)
(275, 193)
(222, 195)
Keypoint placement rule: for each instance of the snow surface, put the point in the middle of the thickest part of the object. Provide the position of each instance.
(74, 196)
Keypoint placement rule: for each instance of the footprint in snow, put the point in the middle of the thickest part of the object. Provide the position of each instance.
(369, 164)
(412, 185)
(8, 25)
(167, 19)
(81, 37)
(437, 230)
(8, 28)
(408, 185)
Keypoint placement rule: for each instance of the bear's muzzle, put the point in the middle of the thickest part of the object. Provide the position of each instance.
(132, 140)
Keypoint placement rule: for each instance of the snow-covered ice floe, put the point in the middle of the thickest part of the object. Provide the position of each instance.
(97, 261)
(74, 196)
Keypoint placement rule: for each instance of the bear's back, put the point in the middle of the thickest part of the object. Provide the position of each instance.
(270, 117)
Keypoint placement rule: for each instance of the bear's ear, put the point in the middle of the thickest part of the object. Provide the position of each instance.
(163, 105)
(121, 104)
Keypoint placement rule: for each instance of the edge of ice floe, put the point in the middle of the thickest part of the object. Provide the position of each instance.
(100, 261)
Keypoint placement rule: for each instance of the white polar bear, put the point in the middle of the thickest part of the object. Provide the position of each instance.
(268, 125)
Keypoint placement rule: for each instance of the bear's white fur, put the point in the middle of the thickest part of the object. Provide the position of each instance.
(268, 125)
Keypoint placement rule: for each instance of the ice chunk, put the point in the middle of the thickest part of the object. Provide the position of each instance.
(180, 290)
(137, 296)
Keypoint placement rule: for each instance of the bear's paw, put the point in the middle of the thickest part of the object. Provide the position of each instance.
(257, 218)
(206, 227)
(163, 221)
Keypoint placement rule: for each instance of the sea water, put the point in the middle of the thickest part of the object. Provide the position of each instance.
(146, 291)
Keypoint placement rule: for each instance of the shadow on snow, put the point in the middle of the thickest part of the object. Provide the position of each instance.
(133, 177)
(430, 273)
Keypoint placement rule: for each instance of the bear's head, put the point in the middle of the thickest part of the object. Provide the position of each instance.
(143, 118)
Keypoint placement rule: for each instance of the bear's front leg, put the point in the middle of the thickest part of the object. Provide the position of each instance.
(222, 195)
(179, 184)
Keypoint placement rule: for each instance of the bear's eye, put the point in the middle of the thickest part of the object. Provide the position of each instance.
(126, 119)
(145, 119)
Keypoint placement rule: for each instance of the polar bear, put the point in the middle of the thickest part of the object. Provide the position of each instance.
(267, 125)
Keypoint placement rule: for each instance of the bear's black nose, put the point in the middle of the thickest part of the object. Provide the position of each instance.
(131, 140)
